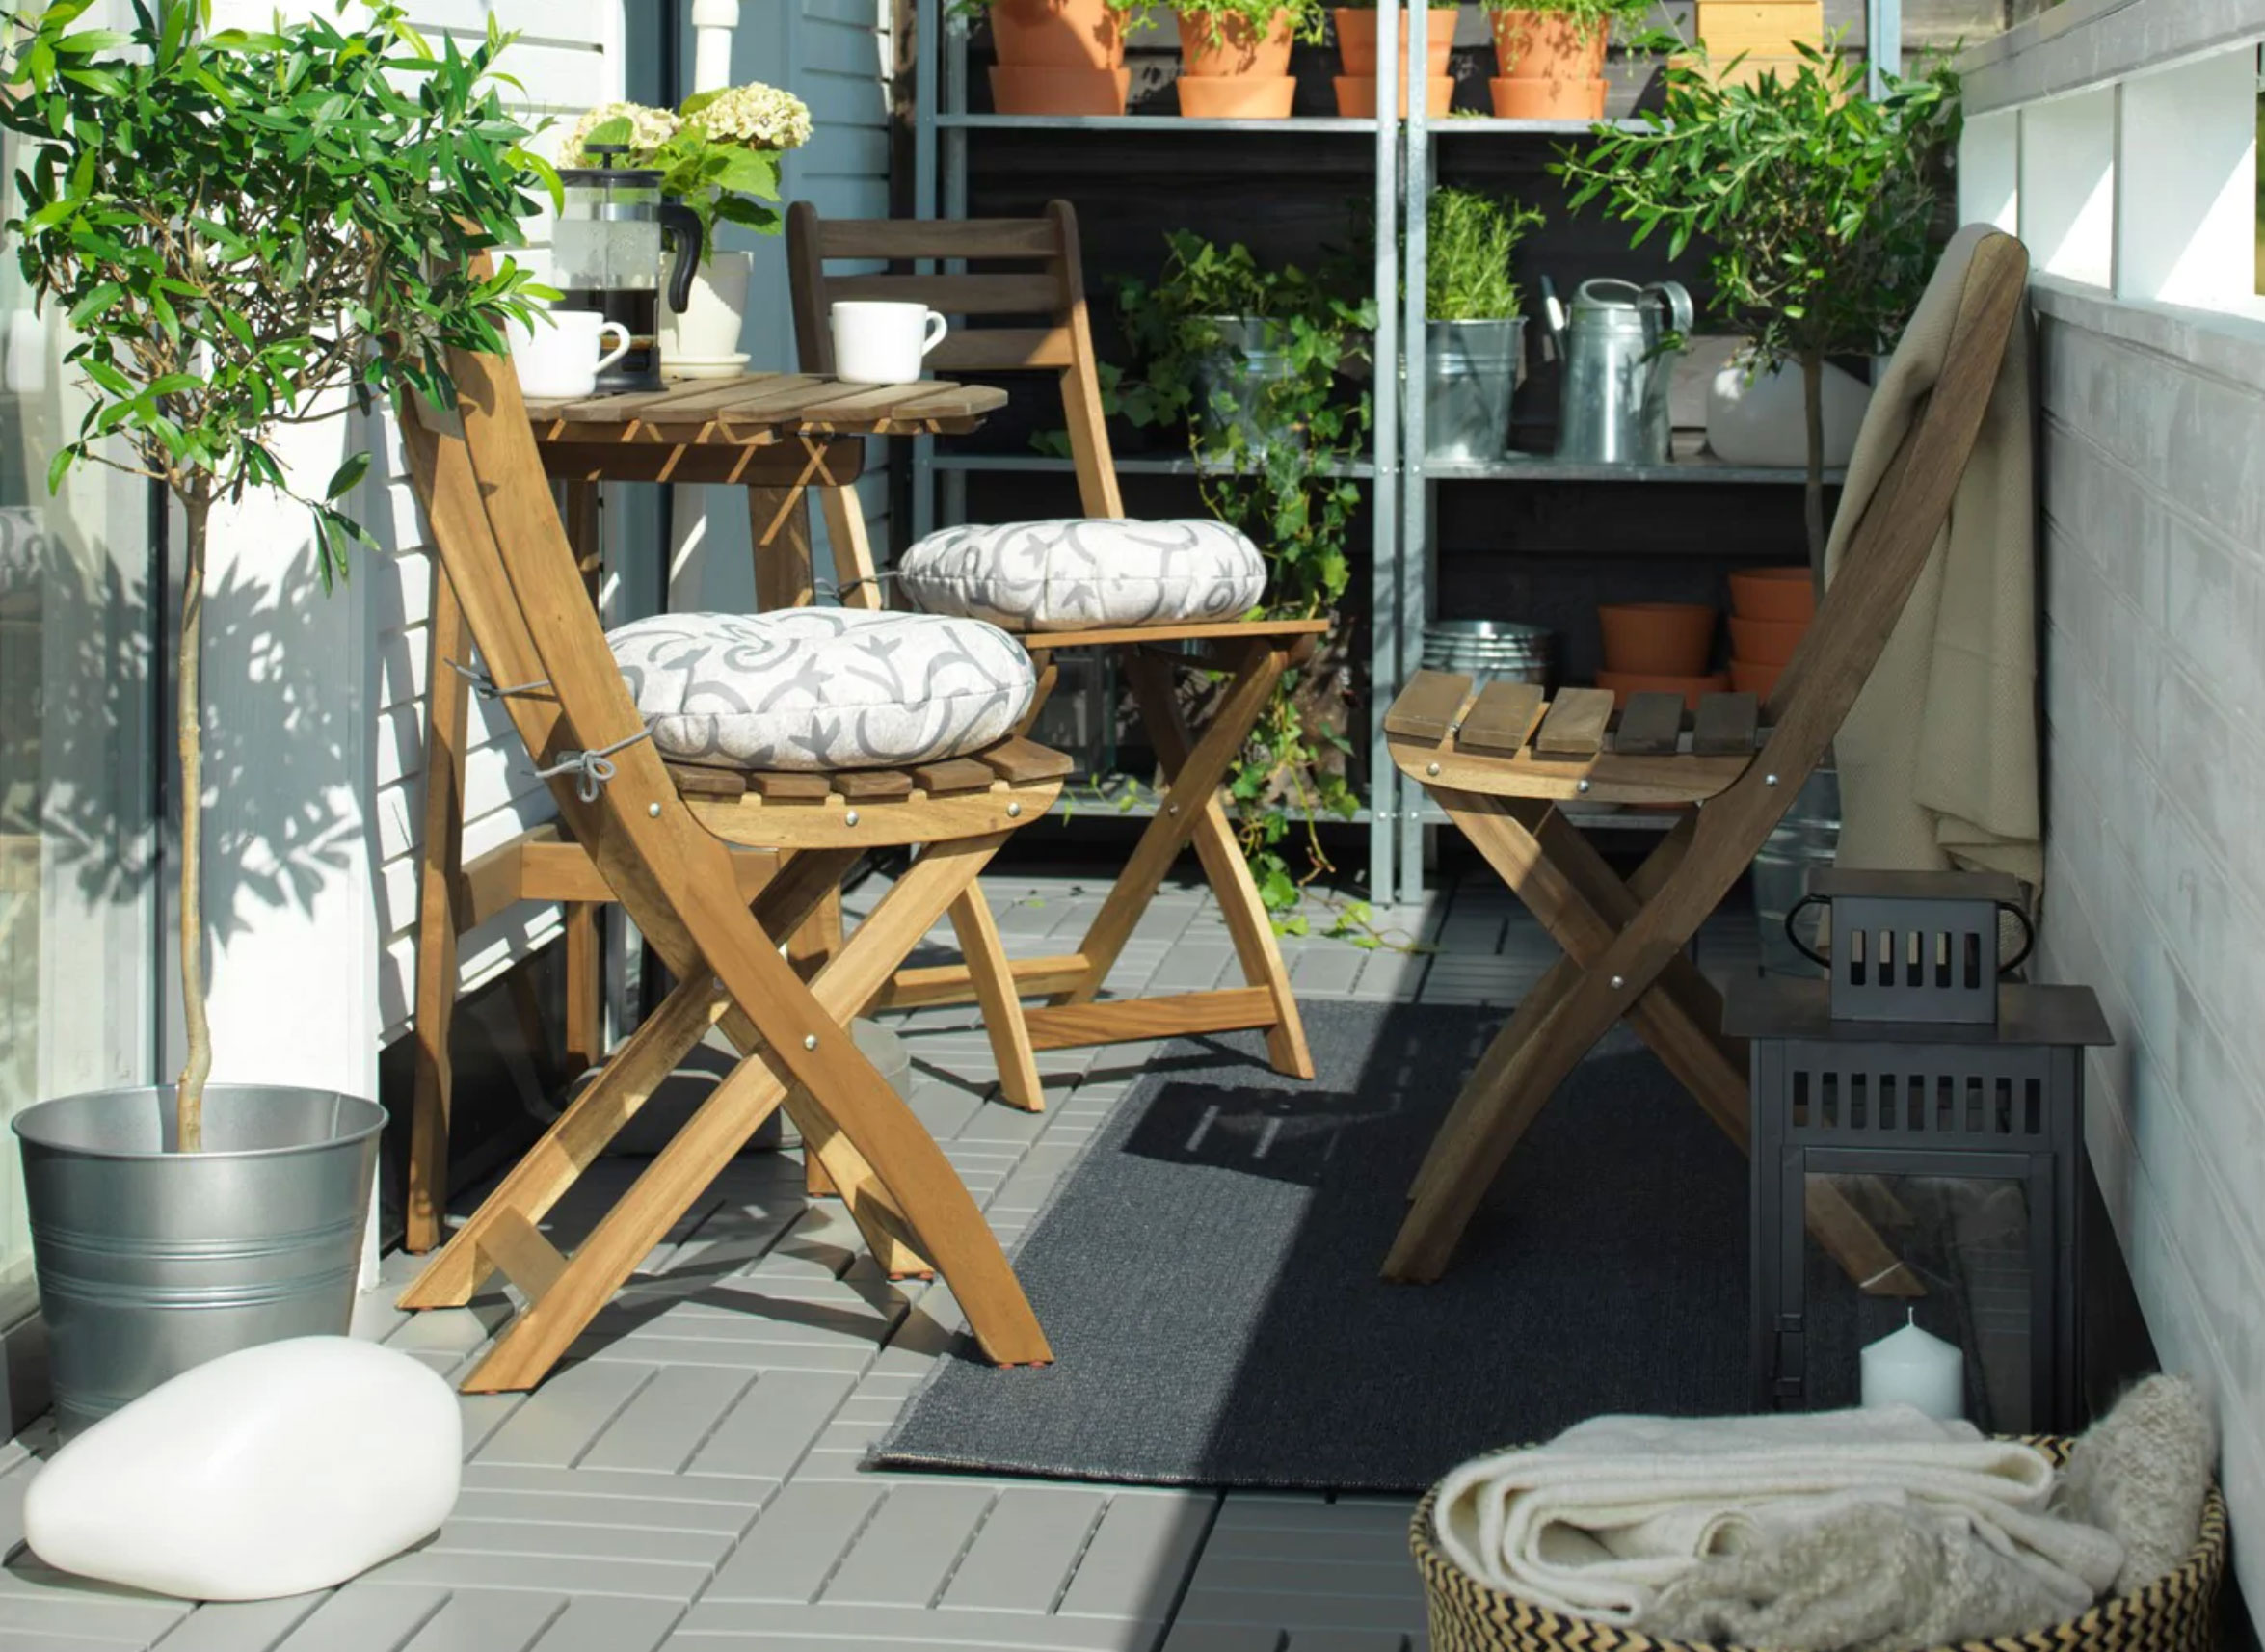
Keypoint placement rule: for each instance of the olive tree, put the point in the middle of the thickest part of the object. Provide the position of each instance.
(238, 225)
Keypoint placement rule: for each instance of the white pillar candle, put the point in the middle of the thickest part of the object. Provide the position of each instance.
(1911, 1368)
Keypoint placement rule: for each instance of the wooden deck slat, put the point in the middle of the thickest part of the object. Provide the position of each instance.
(1427, 707)
(952, 774)
(1650, 726)
(693, 780)
(859, 785)
(783, 786)
(969, 238)
(1574, 725)
(1502, 718)
(998, 293)
(1019, 762)
(1125, 636)
(685, 395)
(1725, 725)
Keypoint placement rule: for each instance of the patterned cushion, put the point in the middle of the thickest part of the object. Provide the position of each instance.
(822, 688)
(1094, 570)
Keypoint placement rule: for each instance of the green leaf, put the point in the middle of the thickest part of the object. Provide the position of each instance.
(348, 475)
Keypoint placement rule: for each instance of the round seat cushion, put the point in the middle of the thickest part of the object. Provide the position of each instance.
(1074, 572)
(822, 688)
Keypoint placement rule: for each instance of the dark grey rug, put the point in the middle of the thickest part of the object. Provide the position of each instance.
(1207, 1273)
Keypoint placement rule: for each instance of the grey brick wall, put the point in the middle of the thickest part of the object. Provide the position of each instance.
(2153, 455)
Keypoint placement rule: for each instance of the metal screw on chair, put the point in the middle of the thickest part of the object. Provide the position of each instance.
(1580, 786)
(1768, 780)
(809, 1041)
(1014, 810)
(849, 818)
(1171, 808)
(653, 810)
(1620, 981)
(1432, 768)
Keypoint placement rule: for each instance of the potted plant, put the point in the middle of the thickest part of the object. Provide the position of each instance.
(1356, 52)
(718, 153)
(1235, 55)
(1058, 57)
(1821, 201)
(1549, 56)
(1477, 329)
(229, 222)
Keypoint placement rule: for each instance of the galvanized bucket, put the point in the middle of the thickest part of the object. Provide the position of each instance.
(1805, 838)
(151, 1261)
(1232, 380)
(1472, 369)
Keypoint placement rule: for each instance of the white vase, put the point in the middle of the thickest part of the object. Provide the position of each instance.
(1764, 421)
(708, 331)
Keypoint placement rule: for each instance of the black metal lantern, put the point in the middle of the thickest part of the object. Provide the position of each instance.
(1918, 1133)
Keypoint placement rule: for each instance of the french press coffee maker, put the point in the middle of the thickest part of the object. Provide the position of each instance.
(613, 229)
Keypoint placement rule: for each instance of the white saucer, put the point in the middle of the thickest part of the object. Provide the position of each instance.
(704, 367)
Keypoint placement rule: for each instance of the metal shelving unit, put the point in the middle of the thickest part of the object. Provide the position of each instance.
(1402, 482)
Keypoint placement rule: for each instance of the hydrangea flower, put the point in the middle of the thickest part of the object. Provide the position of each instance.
(649, 129)
(758, 116)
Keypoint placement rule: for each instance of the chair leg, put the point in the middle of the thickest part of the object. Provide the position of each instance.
(446, 719)
(1248, 924)
(1002, 1009)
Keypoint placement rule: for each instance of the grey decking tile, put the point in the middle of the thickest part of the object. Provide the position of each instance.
(606, 1483)
(772, 1425)
(1222, 1637)
(33, 1597)
(778, 1627)
(789, 1553)
(601, 1624)
(40, 1641)
(908, 1547)
(543, 1574)
(365, 1617)
(558, 1420)
(486, 1620)
(1301, 1608)
(240, 1625)
(1024, 1553)
(663, 1514)
(569, 1539)
(1300, 1573)
(1346, 1640)
(1138, 1554)
(666, 1420)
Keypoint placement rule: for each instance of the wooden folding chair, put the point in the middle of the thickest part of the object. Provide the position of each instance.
(659, 841)
(1053, 333)
(1500, 761)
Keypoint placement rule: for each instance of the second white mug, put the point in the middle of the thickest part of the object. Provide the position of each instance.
(879, 341)
(561, 356)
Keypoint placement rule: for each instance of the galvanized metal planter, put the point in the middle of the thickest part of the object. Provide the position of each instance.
(151, 1261)
(1472, 369)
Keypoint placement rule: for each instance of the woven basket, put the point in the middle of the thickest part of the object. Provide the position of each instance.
(2177, 1613)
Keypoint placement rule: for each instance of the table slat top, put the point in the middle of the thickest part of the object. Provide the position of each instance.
(764, 407)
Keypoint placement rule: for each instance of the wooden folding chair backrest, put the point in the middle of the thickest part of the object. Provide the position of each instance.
(1030, 295)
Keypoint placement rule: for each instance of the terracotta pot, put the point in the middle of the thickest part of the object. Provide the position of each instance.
(1548, 100)
(1773, 593)
(1235, 97)
(1664, 639)
(1546, 46)
(1019, 90)
(1623, 683)
(1750, 678)
(1356, 39)
(1356, 96)
(1765, 642)
(1057, 33)
(1238, 49)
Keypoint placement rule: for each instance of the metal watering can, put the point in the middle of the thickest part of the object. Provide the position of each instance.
(1613, 409)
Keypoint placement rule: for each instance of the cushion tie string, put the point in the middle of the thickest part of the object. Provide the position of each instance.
(485, 686)
(592, 769)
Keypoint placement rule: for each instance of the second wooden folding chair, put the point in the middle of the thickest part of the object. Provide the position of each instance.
(1500, 761)
(1101, 582)
(658, 837)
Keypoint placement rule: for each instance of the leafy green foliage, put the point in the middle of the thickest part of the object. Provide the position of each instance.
(1308, 18)
(1821, 204)
(239, 225)
(1282, 479)
(1584, 14)
(1134, 12)
(1471, 237)
(229, 221)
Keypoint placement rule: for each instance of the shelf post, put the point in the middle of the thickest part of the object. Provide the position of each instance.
(1413, 542)
(1384, 563)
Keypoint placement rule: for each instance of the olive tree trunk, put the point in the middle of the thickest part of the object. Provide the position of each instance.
(1813, 489)
(189, 733)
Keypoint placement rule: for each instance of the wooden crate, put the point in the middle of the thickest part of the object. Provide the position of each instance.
(1760, 29)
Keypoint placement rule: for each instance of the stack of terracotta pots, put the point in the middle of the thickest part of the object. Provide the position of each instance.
(1058, 57)
(1549, 66)
(1356, 50)
(1769, 610)
(1232, 72)
(1660, 648)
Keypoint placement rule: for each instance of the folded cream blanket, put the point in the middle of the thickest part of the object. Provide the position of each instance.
(1599, 1521)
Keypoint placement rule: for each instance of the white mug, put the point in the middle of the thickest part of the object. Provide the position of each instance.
(880, 342)
(558, 356)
